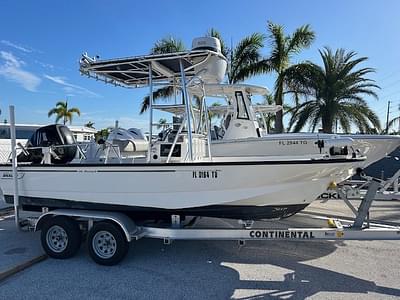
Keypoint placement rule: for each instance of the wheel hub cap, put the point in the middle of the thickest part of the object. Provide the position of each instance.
(104, 244)
(57, 239)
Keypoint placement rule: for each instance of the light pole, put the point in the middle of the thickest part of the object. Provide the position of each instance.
(387, 118)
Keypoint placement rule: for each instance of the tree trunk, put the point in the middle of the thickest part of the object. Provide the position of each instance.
(279, 122)
(278, 98)
(327, 124)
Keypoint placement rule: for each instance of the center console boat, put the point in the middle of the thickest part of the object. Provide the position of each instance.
(179, 174)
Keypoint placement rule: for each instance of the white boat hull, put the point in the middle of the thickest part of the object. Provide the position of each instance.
(374, 147)
(176, 187)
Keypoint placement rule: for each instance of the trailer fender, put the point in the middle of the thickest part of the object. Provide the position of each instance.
(127, 226)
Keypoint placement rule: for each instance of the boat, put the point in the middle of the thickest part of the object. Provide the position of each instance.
(178, 176)
(241, 133)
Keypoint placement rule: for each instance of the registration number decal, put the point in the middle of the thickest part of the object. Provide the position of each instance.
(289, 143)
(205, 174)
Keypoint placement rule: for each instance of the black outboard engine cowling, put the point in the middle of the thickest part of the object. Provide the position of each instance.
(58, 136)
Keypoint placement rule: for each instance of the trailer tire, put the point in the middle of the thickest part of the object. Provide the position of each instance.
(60, 237)
(107, 243)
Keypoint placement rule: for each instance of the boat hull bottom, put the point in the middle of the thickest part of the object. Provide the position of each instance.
(244, 212)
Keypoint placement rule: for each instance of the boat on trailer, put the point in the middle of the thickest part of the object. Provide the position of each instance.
(179, 176)
(174, 179)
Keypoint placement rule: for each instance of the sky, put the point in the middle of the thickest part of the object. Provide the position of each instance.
(41, 43)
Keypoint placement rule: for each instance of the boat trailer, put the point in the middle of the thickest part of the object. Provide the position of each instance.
(104, 247)
(109, 233)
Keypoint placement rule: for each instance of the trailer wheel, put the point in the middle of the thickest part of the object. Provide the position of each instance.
(61, 237)
(107, 244)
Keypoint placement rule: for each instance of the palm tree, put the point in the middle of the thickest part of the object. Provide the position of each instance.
(334, 93)
(89, 124)
(244, 60)
(62, 112)
(283, 49)
(270, 118)
(165, 45)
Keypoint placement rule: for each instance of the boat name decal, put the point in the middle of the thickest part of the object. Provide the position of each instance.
(289, 143)
(205, 174)
(7, 175)
(281, 234)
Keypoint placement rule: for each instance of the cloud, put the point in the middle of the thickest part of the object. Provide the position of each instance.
(12, 70)
(44, 65)
(18, 47)
(70, 88)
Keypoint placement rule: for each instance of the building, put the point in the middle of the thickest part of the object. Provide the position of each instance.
(82, 133)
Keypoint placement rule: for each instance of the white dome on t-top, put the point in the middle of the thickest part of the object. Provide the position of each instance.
(213, 69)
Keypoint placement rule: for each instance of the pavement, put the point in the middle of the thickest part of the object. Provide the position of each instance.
(16, 247)
(216, 269)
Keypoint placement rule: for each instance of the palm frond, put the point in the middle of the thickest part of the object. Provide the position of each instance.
(161, 93)
(300, 39)
(245, 58)
(303, 116)
(74, 110)
(277, 44)
(58, 118)
(52, 112)
(168, 45)
(62, 104)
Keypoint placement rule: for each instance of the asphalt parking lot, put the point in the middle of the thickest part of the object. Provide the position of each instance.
(214, 269)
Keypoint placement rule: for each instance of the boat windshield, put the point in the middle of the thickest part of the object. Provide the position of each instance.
(241, 106)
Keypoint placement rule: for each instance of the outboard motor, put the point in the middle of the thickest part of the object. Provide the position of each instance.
(59, 137)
